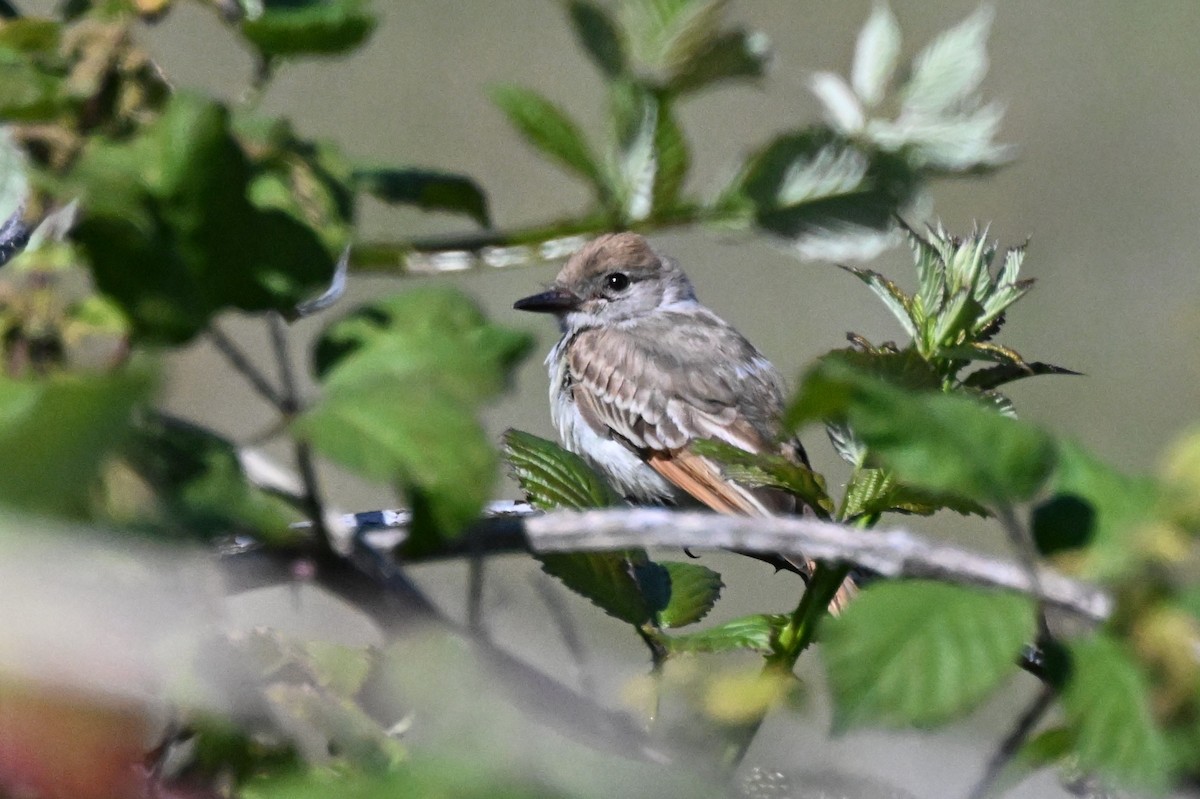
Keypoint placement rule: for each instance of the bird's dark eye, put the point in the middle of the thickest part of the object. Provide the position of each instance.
(617, 281)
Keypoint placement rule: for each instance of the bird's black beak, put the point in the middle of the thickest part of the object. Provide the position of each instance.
(556, 300)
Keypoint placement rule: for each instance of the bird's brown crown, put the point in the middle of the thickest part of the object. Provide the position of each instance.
(625, 252)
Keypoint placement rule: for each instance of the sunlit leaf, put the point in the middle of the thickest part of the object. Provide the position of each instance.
(876, 54)
(951, 68)
(921, 652)
(896, 300)
(756, 633)
(695, 589)
(291, 28)
(552, 477)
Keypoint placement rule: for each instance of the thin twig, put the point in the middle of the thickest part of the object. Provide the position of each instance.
(1022, 545)
(243, 366)
(1012, 743)
(476, 566)
(566, 629)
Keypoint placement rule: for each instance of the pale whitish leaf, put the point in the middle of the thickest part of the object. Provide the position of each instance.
(1107, 703)
(666, 34)
(54, 227)
(849, 448)
(844, 241)
(637, 162)
(14, 187)
(756, 633)
(694, 591)
(832, 171)
(842, 108)
(895, 299)
(921, 652)
(950, 69)
(876, 55)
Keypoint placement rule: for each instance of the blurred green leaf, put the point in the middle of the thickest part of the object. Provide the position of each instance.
(55, 432)
(549, 130)
(695, 589)
(1108, 709)
(933, 441)
(1063, 522)
(27, 92)
(765, 469)
(30, 34)
(757, 633)
(198, 478)
(672, 157)
(425, 189)
(665, 35)
(1121, 504)
(597, 33)
(171, 234)
(404, 377)
(291, 28)
(920, 652)
(552, 477)
(625, 585)
(731, 56)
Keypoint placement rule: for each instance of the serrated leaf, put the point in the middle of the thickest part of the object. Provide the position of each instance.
(950, 68)
(873, 491)
(921, 652)
(1122, 505)
(995, 376)
(731, 56)
(765, 469)
(549, 130)
(625, 585)
(425, 189)
(937, 442)
(291, 28)
(597, 33)
(876, 55)
(896, 300)
(695, 589)
(552, 477)
(757, 633)
(1108, 708)
(56, 431)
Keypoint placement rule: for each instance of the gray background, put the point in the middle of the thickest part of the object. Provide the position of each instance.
(1102, 99)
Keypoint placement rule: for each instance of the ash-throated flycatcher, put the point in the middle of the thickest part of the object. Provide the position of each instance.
(643, 369)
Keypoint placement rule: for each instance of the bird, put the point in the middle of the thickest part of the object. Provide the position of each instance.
(643, 369)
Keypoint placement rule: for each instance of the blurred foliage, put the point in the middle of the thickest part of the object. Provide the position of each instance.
(133, 214)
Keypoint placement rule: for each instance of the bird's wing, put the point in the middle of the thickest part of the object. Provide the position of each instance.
(659, 387)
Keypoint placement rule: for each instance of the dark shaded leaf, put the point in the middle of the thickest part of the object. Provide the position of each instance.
(598, 34)
(672, 157)
(933, 441)
(995, 376)
(546, 127)
(292, 28)
(921, 652)
(735, 55)
(694, 591)
(552, 477)
(765, 469)
(1108, 708)
(427, 190)
(1061, 523)
(55, 433)
(172, 235)
(625, 585)
(757, 633)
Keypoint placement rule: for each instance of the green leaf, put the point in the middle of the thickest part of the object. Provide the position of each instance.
(694, 591)
(672, 157)
(199, 480)
(55, 433)
(736, 55)
(765, 469)
(427, 190)
(921, 652)
(625, 585)
(665, 35)
(598, 34)
(824, 194)
(757, 633)
(549, 130)
(404, 377)
(873, 491)
(552, 477)
(1108, 710)
(896, 300)
(937, 442)
(1001, 374)
(170, 231)
(292, 28)
(876, 55)
(1121, 504)
(1063, 522)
